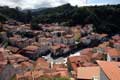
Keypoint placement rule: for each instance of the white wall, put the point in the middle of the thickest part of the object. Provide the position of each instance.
(110, 58)
(103, 76)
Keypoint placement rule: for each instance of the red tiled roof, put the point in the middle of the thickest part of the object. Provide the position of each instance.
(89, 64)
(69, 36)
(113, 52)
(64, 73)
(27, 64)
(97, 56)
(55, 47)
(1, 57)
(86, 73)
(2, 66)
(111, 69)
(87, 51)
(31, 48)
(42, 63)
(116, 37)
(28, 75)
(76, 61)
(13, 49)
(55, 66)
(3, 61)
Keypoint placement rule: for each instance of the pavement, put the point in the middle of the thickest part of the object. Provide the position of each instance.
(60, 60)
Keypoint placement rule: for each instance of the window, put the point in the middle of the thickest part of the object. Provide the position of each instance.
(119, 59)
(113, 59)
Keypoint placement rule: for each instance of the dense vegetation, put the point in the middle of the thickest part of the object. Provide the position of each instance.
(105, 18)
(55, 78)
(2, 18)
(7, 13)
(45, 78)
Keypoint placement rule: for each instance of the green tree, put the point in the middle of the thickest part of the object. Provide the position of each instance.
(28, 16)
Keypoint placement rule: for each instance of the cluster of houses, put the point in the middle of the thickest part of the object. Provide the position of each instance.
(50, 39)
(19, 67)
(21, 51)
(98, 63)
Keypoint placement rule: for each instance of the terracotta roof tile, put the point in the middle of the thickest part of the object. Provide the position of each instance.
(28, 75)
(27, 64)
(89, 64)
(13, 49)
(76, 61)
(31, 48)
(42, 63)
(113, 52)
(87, 72)
(87, 51)
(116, 37)
(111, 69)
(97, 56)
(55, 66)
